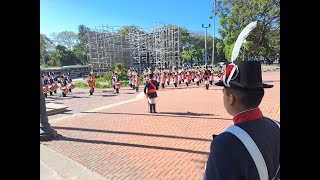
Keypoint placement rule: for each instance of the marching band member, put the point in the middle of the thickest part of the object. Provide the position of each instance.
(64, 86)
(137, 82)
(211, 76)
(129, 77)
(69, 81)
(150, 91)
(179, 76)
(206, 77)
(50, 84)
(197, 77)
(163, 78)
(168, 77)
(55, 82)
(44, 86)
(175, 79)
(91, 83)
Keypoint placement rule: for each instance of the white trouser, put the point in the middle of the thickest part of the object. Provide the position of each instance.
(152, 100)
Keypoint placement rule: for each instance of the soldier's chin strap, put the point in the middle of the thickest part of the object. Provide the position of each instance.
(225, 81)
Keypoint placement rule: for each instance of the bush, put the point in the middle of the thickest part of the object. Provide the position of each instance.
(80, 85)
(101, 86)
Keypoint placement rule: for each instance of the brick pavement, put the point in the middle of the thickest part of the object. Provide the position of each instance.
(126, 142)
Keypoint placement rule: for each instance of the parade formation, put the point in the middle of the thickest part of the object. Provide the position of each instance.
(163, 77)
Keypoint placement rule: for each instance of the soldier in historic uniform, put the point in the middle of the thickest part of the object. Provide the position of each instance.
(150, 90)
(206, 77)
(249, 149)
(45, 85)
(137, 82)
(69, 81)
(163, 78)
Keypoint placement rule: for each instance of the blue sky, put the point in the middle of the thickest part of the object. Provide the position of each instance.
(67, 15)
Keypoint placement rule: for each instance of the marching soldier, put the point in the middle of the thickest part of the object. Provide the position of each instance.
(45, 85)
(137, 82)
(163, 78)
(206, 77)
(168, 77)
(150, 90)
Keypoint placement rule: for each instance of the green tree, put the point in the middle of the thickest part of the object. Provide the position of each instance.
(66, 38)
(235, 15)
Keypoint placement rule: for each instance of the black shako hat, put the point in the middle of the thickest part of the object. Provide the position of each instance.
(245, 75)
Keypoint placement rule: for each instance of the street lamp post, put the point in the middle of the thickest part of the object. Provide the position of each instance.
(47, 133)
(214, 29)
(205, 44)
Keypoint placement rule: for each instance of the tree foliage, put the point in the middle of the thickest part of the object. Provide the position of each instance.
(236, 14)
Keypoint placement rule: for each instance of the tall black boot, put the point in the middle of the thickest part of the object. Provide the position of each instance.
(179, 82)
(150, 106)
(69, 90)
(175, 84)
(154, 108)
(198, 83)
(162, 85)
(210, 82)
(168, 83)
(55, 91)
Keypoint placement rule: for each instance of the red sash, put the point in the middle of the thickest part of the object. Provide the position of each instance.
(151, 90)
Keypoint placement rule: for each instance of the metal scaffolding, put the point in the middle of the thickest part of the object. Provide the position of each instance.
(139, 49)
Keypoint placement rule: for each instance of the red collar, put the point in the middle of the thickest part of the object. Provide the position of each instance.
(248, 115)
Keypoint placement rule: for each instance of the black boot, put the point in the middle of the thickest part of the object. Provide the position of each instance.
(210, 82)
(175, 84)
(162, 85)
(198, 83)
(51, 93)
(69, 90)
(154, 108)
(187, 84)
(179, 82)
(55, 91)
(137, 89)
(150, 106)
(168, 83)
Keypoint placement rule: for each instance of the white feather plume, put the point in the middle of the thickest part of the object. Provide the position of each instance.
(242, 36)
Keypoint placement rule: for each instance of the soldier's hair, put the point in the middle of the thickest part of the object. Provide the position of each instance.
(248, 98)
(151, 75)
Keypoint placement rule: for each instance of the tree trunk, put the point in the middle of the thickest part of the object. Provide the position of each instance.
(47, 133)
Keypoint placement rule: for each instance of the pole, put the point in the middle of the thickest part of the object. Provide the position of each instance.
(47, 133)
(205, 44)
(205, 48)
(214, 29)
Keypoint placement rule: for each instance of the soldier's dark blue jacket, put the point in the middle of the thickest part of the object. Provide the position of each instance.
(229, 158)
(148, 86)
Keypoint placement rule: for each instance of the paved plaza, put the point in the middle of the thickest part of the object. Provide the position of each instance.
(113, 135)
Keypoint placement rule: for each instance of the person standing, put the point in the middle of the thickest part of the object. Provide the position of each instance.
(150, 90)
(249, 149)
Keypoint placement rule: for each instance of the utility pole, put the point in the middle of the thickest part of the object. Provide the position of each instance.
(205, 44)
(214, 29)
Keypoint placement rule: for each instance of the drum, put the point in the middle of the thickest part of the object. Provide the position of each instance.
(45, 89)
(118, 84)
(71, 86)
